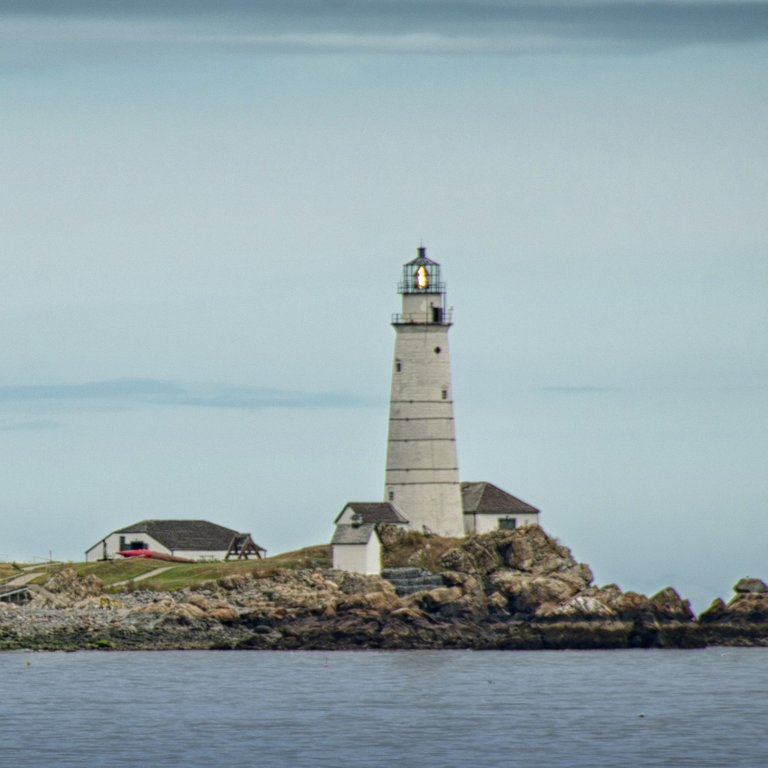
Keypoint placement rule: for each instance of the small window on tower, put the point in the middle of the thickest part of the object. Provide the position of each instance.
(445, 394)
(398, 366)
(391, 495)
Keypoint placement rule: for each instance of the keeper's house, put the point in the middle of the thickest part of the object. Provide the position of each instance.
(487, 508)
(191, 539)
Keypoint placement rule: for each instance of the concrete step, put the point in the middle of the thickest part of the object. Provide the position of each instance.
(402, 573)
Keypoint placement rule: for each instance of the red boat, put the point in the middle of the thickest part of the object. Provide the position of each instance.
(154, 555)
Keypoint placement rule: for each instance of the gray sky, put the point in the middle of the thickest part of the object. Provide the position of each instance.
(205, 208)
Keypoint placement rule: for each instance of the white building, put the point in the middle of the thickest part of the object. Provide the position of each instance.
(356, 545)
(488, 508)
(422, 473)
(356, 548)
(191, 539)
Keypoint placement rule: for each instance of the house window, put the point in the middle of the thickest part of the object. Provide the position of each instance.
(507, 523)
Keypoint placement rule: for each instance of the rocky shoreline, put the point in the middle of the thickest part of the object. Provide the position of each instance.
(510, 590)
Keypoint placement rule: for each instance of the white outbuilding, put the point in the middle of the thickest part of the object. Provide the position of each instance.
(356, 546)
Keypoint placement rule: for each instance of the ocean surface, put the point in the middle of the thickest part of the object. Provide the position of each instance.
(394, 709)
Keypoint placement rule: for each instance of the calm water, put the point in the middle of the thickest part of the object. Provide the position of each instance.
(444, 708)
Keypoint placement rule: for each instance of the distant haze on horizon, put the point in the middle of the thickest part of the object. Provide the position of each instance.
(205, 209)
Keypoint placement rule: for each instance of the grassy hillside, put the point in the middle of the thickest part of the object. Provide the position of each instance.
(121, 573)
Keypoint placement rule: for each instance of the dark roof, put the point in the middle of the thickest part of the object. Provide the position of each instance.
(486, 499)
(375, 512)
(184, 534)
(420, 259)
(353, 534)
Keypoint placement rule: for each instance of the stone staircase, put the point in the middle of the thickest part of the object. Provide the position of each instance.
(406, 581)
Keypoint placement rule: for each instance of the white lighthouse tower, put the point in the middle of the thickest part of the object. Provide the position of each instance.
(422, 476)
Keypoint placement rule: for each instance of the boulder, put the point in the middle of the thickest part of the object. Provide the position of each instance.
(378, 601)
(742, 622)
(70, 585)
(436, 598)
(390, 535)
(468, 584)
(579, 575)
(667, 605)
(201, 601)
(578, 607)
(235, 581)
(717, 610)
(223, 615)
(407, 613)
(748, 607)
(530, 549)
(458, 559)
(483, 554)
(497, 602)
(750, 586)
(526, 594)
(351, 583)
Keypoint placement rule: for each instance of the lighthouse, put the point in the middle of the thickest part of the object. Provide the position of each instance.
(422, 475)
(422, 490)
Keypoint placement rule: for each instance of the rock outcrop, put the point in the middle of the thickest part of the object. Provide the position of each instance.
(742, 621)
(517, 589)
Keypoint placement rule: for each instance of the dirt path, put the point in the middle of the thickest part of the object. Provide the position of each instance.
(25, 578)
(30, 575)
(147, 575)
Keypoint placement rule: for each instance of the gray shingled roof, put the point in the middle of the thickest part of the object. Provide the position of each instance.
(184, 534)
(486, 499)
(353, 534)
(375, 512)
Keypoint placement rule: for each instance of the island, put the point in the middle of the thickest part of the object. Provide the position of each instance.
(505, 590)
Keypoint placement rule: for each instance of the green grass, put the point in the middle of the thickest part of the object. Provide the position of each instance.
(7, 571)
(183, 575)
(415, 549)
(112, 571)
(10, 571)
